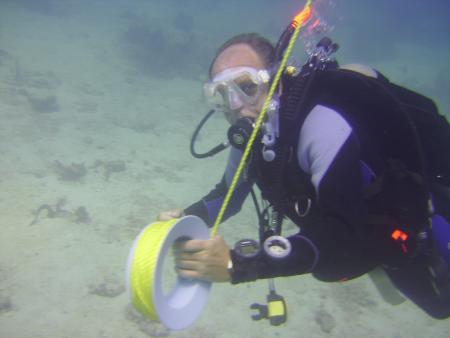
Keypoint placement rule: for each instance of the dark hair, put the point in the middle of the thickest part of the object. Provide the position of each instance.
(262, 46)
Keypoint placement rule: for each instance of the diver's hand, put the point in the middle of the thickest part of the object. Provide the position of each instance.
(170, 214)
(203, 259)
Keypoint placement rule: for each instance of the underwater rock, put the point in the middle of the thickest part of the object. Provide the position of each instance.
(110, 167)
(45, 104)
(81, 215)
(153, 329)
(72, 172)
(5, 304)
(42, 80)
(110, 288)
(114, 167)
(155, 51)
(326, 321)
(146, 325)
(51, 211)
(35, 85)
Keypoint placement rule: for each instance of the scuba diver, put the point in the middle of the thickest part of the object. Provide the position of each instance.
(360, 164)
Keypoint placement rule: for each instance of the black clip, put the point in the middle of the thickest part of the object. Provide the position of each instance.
(275, 310)
(263, 312)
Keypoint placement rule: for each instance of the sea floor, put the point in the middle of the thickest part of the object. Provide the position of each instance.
(92, 149)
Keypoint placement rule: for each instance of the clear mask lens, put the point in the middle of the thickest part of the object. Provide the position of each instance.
(235, 87)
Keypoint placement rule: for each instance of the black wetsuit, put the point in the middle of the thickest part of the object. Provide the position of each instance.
(331, 166)
(334, 160)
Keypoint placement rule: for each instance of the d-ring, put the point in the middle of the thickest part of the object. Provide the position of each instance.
(308, 208)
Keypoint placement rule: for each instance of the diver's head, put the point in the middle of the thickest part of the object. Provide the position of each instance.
(239, 76)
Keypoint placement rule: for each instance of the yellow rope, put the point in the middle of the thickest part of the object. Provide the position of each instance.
(300, 20)
(143, 269)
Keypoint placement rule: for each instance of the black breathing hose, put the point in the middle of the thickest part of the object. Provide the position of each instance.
(214, 150)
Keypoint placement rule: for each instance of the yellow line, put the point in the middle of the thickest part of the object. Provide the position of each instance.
(258, 123)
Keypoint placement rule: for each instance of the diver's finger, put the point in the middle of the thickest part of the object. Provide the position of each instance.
(193, 245)
(186, 265)
(188, 274)
(187, 256)
(170, 214)
(164, 216)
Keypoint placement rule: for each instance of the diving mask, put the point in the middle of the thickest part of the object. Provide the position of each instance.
(235, 87)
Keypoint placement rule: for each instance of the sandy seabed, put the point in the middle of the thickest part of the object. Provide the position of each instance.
(90, 152)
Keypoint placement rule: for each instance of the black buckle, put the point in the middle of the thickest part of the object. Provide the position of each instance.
(275, 310)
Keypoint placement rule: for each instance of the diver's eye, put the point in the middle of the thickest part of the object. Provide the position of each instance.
(249, 88)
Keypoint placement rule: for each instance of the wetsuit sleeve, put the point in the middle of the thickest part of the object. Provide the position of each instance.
(209, 206)
(329, 152)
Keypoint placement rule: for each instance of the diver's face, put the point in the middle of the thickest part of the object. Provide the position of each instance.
(240, 55)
